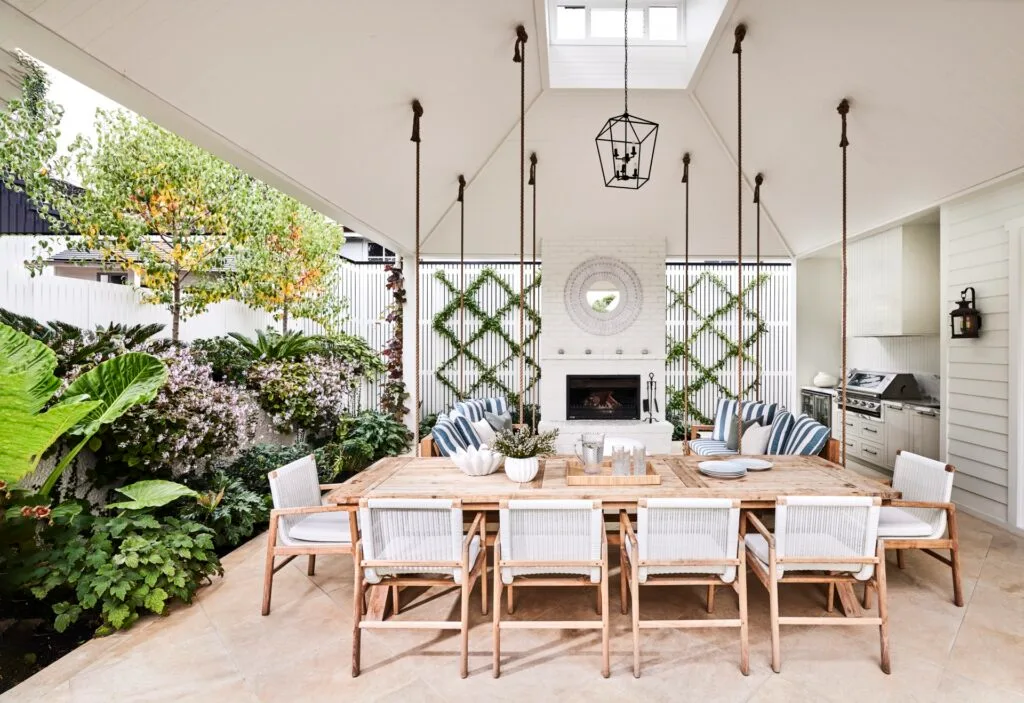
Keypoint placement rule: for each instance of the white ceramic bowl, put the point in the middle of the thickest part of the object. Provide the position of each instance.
(825, 380)
(477, 462)
(522, 470)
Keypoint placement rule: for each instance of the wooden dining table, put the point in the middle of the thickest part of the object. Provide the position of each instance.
(438, 477)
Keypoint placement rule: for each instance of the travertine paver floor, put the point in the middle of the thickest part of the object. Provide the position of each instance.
(221, 649)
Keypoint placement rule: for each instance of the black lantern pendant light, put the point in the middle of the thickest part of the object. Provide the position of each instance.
(965, 321)
(625, 144)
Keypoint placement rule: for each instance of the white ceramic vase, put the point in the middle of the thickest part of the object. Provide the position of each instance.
(522, 470)
(477, 462)
(824, 380)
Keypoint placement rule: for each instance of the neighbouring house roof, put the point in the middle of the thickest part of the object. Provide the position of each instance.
(19, 215)
(93, 257)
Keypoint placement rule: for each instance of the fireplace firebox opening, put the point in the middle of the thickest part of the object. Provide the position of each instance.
(602, 397)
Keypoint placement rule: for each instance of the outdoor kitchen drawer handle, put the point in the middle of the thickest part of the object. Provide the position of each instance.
(928, 413)
(871, 430)
(872, 452)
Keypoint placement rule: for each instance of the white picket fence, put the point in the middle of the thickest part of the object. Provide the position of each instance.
(88, 303)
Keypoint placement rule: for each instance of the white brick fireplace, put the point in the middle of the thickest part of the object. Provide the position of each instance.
(569, 349)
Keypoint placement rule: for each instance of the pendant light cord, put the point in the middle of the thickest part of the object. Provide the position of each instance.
(520, 58)
(417, 113)
(740, 34)
(686, 291)
(844, 143)
(534, 291)
(758, 182)
(462, 287)
(625, 62)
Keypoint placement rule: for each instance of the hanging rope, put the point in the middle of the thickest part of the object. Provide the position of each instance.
(519, 57)
(686, 289)
(462, 285)
(844, 143)
(758, 181)
(417, 113)
(737, 48)
(534, 290)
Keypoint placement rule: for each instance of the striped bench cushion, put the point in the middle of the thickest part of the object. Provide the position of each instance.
(446, 436)
(710, 447)
(495, 405)
(807, 438)
(754, 410)
(472, 410)
(466, 430)
(780, 433)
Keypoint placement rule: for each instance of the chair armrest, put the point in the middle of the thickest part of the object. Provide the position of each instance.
(473, 529)
(330, 486)
(695, 430)
(307, 510)
(627, 526)
(897, 503)
(754, 522)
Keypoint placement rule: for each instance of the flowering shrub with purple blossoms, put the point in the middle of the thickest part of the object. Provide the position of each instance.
(310, 395)
(193, 422)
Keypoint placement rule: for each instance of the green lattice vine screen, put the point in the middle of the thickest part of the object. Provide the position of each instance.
(711, 344)
(490, 350)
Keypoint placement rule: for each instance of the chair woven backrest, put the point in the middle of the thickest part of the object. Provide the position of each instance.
(294, 485)
(555, 531)
(924, 479)
(410, 532)
(686, 529)
(827, 529)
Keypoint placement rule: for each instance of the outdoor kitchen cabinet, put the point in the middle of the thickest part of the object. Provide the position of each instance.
(893, 279)
(910, 428)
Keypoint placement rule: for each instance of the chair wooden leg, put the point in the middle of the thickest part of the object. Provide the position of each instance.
(954, 556)
(394, 600)
(831, 604)
(598, 599)
(623, 582)
(311, 566)
(496, 619)
(483, 569)
(510, 606)
(464, 633)
(711, 599)
(605, 628)
(268, 570)
(773, 606)
(867, 602)
(899, 559)
(634, 592)
(741, 594)
(358, 608)
(883, 611)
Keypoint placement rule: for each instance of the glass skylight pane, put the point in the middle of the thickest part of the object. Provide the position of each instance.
(607, 24)
(571, 21)
(664, 23)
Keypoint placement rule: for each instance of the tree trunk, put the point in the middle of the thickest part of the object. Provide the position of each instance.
(176, 310)
(284, 319)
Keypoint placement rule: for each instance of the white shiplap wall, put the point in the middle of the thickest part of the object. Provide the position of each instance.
(979, 250)
(918, 355)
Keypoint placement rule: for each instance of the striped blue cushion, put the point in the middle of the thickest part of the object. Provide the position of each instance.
(807, 438)
(769, 413)
(725, 410)
(466, 431)
(709, 447)
(753, 410)
(470, 409)
(780, 433)
(495, 405)
(446, 436)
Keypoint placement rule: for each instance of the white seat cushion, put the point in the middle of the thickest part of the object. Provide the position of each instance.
(710, 447)
(701, 544)
(322, 527)
(394, 552)
(896, 522)
(758, 546)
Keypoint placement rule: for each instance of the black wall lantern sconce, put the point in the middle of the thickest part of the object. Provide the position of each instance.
(965, 321)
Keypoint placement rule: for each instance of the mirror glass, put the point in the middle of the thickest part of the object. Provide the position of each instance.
(603, 296)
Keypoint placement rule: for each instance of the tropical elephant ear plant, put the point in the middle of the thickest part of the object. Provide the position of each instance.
(34, 416)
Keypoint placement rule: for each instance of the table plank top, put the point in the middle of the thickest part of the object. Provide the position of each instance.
(438, 477)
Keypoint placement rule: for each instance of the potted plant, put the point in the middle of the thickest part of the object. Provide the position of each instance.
(522, 448)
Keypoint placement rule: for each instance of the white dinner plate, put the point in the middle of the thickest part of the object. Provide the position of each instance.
(754, 464)
(722, 469)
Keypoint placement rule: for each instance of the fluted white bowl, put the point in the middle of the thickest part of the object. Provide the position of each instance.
(477, 462)
(522, 470)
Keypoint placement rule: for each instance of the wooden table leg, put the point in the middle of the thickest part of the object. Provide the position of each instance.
(377, 602)
(848, 600)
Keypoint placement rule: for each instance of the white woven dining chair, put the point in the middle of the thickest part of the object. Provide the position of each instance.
(920, 519)
(828, 540)
(551, 543)
(684, 542)
(300, 524)
(418, 543)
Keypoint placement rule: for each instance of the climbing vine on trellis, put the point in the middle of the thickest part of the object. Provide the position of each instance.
(483, 374)
(702, 371)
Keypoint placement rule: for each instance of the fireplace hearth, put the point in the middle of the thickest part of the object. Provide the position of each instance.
(603, 397)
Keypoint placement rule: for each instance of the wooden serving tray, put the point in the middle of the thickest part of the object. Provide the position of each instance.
(575, 476)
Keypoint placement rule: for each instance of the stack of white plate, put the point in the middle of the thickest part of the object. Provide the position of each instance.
(722, 469)
(752, 464)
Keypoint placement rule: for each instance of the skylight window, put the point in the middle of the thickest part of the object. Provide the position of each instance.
(600, 22)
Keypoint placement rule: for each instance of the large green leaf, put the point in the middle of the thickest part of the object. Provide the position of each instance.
(24, 436)
(27, 366)
(151, 494)
(117, 384)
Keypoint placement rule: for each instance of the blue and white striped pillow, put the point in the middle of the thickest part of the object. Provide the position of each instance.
(780, 433)
(447, 436)
(466, 430)
(495, 405)
(753, 410)
(472, 410)
(807, 438)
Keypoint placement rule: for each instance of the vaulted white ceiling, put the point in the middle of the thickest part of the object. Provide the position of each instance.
(314, 97)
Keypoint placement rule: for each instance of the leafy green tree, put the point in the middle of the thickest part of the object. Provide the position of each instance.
(289, 267)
